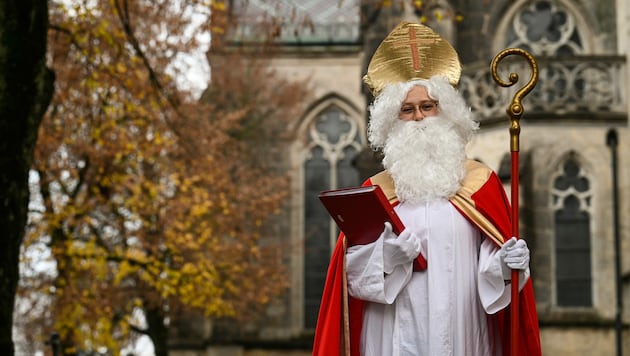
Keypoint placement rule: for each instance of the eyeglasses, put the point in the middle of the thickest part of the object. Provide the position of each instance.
(427, 108)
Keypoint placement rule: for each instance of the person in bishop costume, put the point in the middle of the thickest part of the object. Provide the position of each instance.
(441, 287)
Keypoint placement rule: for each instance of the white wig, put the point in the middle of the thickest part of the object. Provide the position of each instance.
(385, 109)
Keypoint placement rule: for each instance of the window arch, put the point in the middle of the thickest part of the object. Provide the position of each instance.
(572, 213)
(544, 27)
(332, 140)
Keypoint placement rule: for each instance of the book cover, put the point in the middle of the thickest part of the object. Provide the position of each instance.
(361, 213)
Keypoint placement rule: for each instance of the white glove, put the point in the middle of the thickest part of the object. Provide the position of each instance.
(400, 249)
(514, 255)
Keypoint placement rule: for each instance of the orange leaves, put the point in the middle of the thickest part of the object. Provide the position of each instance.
(149, 198)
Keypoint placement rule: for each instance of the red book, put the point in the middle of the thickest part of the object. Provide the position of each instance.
(361, 214)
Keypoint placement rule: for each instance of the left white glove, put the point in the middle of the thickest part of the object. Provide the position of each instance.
(398, 249)
(514, 255)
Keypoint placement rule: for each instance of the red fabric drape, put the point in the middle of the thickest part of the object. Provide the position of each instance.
(489, 200)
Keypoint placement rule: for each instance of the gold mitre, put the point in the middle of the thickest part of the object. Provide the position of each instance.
(412, 51)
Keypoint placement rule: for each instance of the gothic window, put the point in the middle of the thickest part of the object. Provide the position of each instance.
(559, 36)
(572, 216)
(544, 28)
(333, 142)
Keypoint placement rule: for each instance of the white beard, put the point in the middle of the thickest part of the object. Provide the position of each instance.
(426, 159)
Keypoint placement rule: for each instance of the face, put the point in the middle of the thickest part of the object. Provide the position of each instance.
(417, 105)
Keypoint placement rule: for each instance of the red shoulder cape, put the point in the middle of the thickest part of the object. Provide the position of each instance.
(483, 201)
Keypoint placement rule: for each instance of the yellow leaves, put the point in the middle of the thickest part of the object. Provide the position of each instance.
(164, 208)
(157, 138)
(125, 269)
(121, 68)
(254, 251)
(130, 146)
(91, 84)
(141, 75)
(218, 30)
(96, 136)
(189, 268)
(104, 333)
(199, 210)
(217, 5)
(224, 204)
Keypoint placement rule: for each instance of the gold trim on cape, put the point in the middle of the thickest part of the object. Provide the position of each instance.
(477, 175)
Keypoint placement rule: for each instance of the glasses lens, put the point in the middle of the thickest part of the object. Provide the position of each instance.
(428, 107)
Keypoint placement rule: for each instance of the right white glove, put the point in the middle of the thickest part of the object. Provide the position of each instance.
(514, 255)
(400, 249)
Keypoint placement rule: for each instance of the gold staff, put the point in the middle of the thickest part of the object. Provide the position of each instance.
(515, 112)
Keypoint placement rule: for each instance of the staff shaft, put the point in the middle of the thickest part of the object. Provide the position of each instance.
(515, 282)
(515, 111)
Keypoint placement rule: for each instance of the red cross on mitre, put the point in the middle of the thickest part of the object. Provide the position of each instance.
(413, 42)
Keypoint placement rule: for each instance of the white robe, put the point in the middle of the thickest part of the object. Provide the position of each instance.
(440, 311)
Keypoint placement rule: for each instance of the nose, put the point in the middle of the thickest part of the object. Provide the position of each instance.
(417, 114)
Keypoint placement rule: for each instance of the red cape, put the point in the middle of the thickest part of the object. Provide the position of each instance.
(483, 201)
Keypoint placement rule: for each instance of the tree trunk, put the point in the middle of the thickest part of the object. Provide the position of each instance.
(157, 331)
(26, 87)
